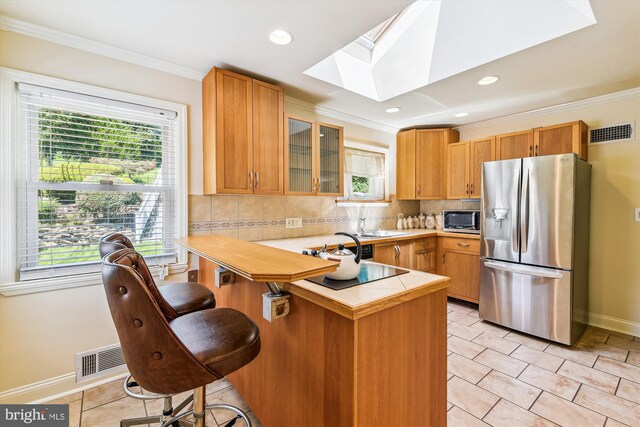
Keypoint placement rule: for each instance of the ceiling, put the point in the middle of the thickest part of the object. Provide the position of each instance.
(199, 34)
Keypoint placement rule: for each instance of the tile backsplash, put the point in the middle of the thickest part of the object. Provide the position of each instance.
(263, 217)
(437, 206)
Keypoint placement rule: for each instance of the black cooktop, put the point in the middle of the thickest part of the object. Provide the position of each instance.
(368, 273)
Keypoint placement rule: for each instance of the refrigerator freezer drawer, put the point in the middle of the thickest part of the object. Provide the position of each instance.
(534, 300)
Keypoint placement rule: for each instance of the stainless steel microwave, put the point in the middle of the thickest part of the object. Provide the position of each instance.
(462, 221)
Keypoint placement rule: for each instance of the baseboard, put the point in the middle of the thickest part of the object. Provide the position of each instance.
(53, 388)
(614, 324)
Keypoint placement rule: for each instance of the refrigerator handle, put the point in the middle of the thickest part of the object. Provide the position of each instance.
(515, 247)
(520, 269)
(524, 212)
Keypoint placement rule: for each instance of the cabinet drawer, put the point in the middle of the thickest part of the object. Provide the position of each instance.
(471, 246)
(426, 243)
(425, 260)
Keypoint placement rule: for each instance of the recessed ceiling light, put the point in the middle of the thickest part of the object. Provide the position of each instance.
(461, 115)
(392, 110)
(280, 37)
(488, 80)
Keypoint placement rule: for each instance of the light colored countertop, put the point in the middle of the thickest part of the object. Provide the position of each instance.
(280, 261)
(298, 244)
(361, 300)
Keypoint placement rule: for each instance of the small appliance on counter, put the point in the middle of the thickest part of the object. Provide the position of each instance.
(352, 271)
(462, 221)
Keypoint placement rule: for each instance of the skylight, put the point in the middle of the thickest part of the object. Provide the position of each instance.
(432, 40)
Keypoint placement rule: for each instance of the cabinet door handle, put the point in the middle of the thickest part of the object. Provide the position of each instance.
(537, 150)
(397, 248)
(257, 180)
(530, 150)
(471, 189)
(443, 258)
(464, 245)
(418, 191)
(250, 179)
(467, 190)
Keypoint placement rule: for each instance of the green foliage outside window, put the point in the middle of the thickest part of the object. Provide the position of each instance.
(360, 184)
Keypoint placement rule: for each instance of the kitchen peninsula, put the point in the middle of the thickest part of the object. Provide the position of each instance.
(374, 354)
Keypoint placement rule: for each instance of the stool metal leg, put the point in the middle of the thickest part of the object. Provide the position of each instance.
(199, 404)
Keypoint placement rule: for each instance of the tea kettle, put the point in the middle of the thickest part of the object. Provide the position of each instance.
(349, 267)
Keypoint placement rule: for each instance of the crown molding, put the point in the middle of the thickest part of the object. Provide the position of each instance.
(583, 103)
(311, 108)
(81, 43)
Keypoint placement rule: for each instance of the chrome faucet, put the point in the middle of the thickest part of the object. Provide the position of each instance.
(361, 224)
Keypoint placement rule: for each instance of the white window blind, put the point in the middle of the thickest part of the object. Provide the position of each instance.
(91, 166)
(364, 174)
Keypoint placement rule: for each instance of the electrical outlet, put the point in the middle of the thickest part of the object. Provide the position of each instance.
(192, 276)
(293, 223)
(637, 214)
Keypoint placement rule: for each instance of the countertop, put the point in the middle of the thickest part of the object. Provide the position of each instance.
(280, 261)
(361, 300)
(298, 244)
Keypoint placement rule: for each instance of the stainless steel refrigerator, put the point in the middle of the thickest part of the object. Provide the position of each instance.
(535, 245)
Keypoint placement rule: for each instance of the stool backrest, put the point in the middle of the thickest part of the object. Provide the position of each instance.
(112, 242)
(155, 356)
(116, 241)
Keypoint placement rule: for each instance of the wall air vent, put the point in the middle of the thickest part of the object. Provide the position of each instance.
(99, 362)
(616, 133)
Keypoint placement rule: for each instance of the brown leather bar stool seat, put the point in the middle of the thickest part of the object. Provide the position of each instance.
(170, 356)
(183, 297)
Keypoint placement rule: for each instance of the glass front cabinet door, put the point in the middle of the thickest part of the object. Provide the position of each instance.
(313, 158)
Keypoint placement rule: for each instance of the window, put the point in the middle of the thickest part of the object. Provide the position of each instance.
(88, 166)
(364, 174)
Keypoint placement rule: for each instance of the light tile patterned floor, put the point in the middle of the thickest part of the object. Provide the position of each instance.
(496, 377)
(502, 378)
(106, 405)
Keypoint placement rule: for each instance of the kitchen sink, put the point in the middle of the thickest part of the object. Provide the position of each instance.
(382, 233)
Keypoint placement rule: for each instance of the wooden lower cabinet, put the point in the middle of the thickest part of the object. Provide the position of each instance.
(459, 259)
(394, 253)
(317, 368)
(425, 255)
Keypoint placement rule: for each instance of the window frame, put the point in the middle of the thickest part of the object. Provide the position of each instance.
(373, 149)
(9, 152)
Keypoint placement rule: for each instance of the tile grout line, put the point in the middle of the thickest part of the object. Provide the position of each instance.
(491, 409)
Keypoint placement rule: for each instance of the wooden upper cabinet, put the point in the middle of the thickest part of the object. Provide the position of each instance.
(313, 158)
(330, 164)
(268, 137)
(560, 139)
(480, 151)
(406, 164)
(458, 170)
(464, 167)
(514, 145)
(421, 163)
(242, 134)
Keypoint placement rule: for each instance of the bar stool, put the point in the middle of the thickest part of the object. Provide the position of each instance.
(182, 298)
(170, 356)
(175, 299)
